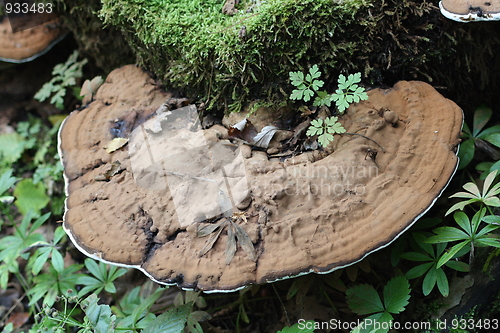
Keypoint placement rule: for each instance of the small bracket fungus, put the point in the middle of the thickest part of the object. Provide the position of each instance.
(470, 10)
(189, 207)
(26, 45)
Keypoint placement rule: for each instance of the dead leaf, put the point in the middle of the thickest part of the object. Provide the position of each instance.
(264, 137)
(115, 144)
(211, 241)
(230, 244)
(245, 242)
(18, 319)
(208, 229)
(244, 130)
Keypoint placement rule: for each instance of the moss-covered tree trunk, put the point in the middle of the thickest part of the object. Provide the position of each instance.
(228, 60)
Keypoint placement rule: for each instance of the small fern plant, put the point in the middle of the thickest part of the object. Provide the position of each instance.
(64, 76)
(325, 129)
(347, 92)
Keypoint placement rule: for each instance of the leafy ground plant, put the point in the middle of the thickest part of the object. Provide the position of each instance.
(478, 137)
(487, 197)
(306, 85)
(468, 235)
(6, 182)
(64, 76)
(429, 255)
(324, 129)
(365, 300)
(102, 279)
(347, 92)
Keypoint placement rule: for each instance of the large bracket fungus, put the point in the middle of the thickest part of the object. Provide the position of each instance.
(188, 207)
(470, 10)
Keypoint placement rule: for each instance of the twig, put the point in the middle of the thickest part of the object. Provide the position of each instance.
(361, 135)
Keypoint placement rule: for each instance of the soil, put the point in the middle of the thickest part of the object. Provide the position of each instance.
(313, 211)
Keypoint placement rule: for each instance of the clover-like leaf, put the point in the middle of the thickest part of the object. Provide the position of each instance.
(308, 93)
(297, 78)
(324, 139)
(314, 72)
(323, 98)
(297, 94)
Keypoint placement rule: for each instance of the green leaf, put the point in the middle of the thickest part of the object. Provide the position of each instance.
(488, 242)
(421, 240)
(323, 98)
(12, 145)
(451, 253)
(172, 321)
(429, 281)
(396, 294)
(492, 202)
(6, 181)
(447, 234)
(297, 94)
(442, 283)
(487, 182)
(458, 265)
(57, 260)
(463, 221)
(314, 72)
(324, 139)
(487, 132)
(146, 304)
(99, 316)
(481, 116)
(44, 92)
(364, 299)
(466, 153)
(342, 82)
(415, 256)
(492, 219)
(418, 270)
(494, 139)
(476, 220)
(460, 206)
(316, 84)
(30, 196)
(308, 93)
(297, 78)
(43, 255)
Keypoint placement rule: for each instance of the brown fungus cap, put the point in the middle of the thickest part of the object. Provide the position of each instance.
(168, 202)
(26, 45)
(470, 10)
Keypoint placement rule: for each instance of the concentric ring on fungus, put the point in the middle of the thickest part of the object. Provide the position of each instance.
(144, 204)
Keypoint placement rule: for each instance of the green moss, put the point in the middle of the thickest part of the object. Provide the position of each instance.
(193, 46)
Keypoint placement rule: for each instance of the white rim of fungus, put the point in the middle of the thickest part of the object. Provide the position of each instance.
(97, 255)
(39, 54)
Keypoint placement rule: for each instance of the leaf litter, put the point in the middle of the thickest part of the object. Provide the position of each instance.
(236, 236)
